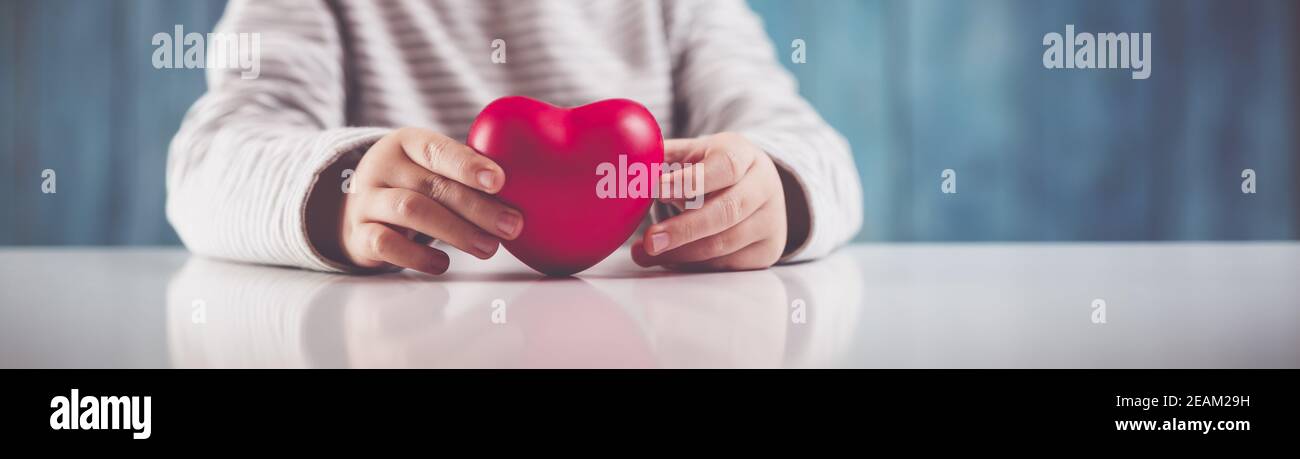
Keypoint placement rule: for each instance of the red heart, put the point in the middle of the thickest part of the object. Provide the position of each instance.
(550, 156)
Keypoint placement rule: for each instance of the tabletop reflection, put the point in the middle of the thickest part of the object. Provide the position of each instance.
(497, 314)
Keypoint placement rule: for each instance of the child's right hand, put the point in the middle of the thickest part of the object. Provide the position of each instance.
(417, 181)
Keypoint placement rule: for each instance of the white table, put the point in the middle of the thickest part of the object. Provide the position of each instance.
(914, 305)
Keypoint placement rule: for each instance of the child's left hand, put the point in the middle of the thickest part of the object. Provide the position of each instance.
(742, 222)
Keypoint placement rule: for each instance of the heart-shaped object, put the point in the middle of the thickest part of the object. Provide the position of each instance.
(552, 157)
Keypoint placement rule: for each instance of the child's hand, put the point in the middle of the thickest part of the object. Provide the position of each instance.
(415, 181)
(742, 221)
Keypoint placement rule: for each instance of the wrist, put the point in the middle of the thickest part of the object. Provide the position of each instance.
(798, 218)
(324, 211)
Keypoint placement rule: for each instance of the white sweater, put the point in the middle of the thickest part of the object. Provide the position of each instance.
(336, 76)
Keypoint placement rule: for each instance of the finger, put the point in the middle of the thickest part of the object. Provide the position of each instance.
(481, 209)
(722, 166)
(720, 211)
(682, 181)
(449, 158)
(378, 242)
(759, 255)
(683, 150)
(408, 209)
(724, 243)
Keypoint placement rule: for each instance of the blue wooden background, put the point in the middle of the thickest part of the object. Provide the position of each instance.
(917, 87)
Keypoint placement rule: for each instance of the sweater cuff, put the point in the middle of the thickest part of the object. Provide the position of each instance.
(329, 147)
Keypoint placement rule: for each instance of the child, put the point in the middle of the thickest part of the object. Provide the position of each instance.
(378, 96)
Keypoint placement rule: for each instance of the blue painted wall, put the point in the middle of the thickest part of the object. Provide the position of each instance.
(917, 86)
(79, 95)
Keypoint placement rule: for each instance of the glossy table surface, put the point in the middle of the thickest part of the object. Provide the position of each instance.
(1167, 305)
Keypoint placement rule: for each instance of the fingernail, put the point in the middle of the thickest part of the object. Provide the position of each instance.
(658, 242)
(508, 222)
(485, 246)
(487, 179)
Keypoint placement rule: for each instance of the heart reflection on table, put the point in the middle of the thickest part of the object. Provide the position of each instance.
(227, 315)
(546, 323)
